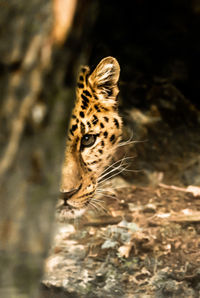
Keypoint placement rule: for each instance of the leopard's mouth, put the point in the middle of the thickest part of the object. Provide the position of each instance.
(75, 199)
(65, 211)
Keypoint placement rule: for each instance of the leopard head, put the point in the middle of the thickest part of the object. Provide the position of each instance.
(94, 132)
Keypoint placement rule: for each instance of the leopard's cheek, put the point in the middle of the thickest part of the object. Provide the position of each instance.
(95, 159)
(90, 160)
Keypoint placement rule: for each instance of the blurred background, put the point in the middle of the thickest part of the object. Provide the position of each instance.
(43, 44)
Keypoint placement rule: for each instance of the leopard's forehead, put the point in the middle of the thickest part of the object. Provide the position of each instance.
(89, 113)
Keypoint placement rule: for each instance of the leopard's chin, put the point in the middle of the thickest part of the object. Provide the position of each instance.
(64, 213)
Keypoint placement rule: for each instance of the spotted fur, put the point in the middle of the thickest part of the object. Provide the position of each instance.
(95, 121)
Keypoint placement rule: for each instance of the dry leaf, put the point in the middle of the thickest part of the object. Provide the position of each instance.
(124, 250)
(195, 190)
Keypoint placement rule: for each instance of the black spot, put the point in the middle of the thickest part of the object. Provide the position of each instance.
(93, 162)
(112, 138)
(93, 179)
(84, 98)
(101, 124)
(71, 131)
(82, 128)
(74, 127)
(73, 116)
(80, 85)
(88, 194)
(86, 92)
(97, 108)
(81, 78)
(84, 107)
(105, 109)
(89, 125)
(110, 92)
(83, 69)
(106, 119)
(116, 122)
(100, 151)
(84, 104)
(85, 101)
(77, 139)
(86, 77)
(102, 143)
(77, 120)
(82, 114)
(95, 120)
(115, 107)
(105, 134)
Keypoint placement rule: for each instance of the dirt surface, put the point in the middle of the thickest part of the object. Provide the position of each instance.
(141, 238)
(148, 243)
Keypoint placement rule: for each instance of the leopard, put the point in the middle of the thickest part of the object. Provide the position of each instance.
(94, 132)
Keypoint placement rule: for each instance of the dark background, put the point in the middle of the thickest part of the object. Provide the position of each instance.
(149, 38)
(157, 45)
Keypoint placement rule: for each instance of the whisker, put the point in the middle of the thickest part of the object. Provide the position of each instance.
(130, 142)
(133, 171)
(125, 143)
(110, 197)
(131, 137)
(93, 206)
(105, 190)
(106, 195)
(118, 161)
(113, 188)
(112, 176)
(101, 191)
(100, 206)
(111, 171)
(76, 223)
(118, 167)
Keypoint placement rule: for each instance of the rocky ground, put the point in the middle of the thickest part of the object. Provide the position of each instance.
(142, 238)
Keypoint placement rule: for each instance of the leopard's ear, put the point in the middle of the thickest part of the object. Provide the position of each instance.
(104, 79)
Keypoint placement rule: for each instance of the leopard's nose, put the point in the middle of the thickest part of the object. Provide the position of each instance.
(68, 194)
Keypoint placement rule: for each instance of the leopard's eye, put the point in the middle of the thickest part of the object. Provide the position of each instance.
(88, 140)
